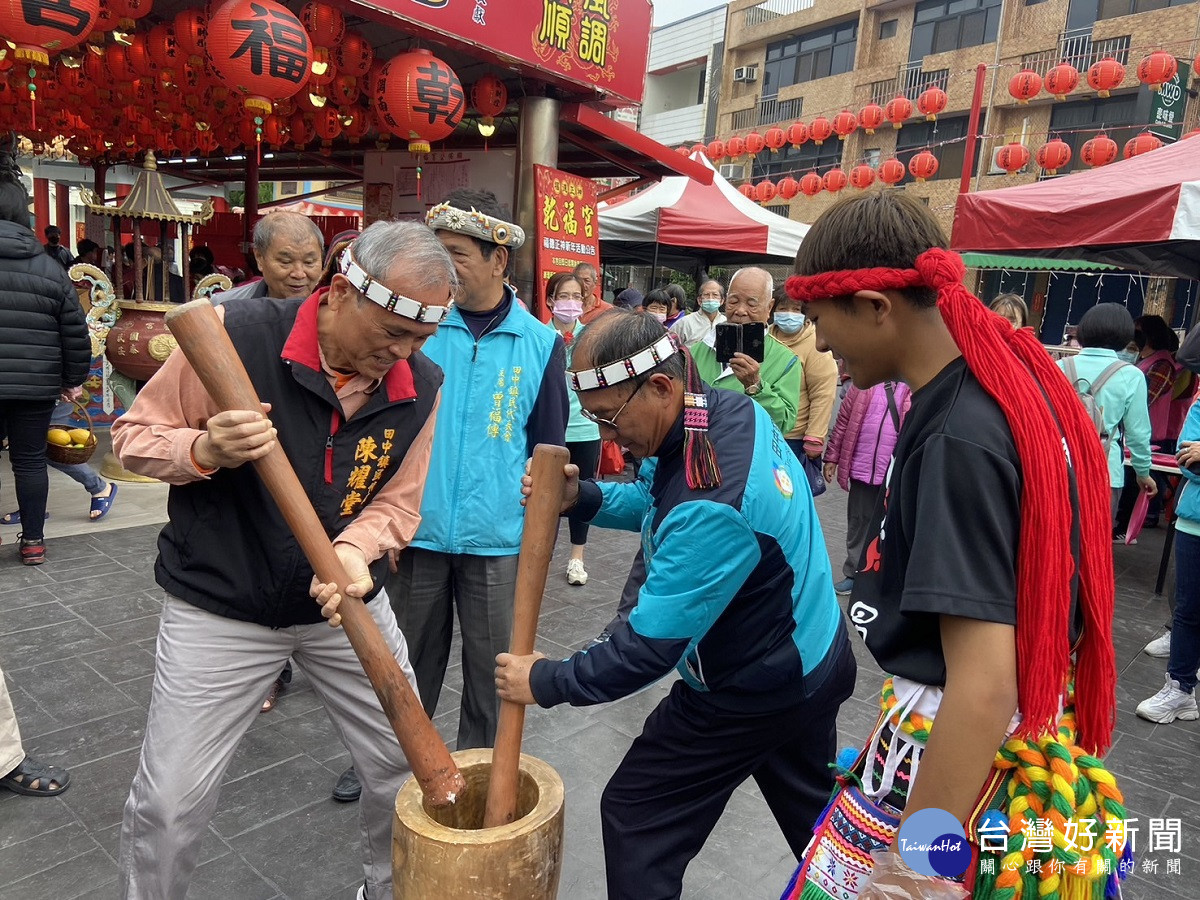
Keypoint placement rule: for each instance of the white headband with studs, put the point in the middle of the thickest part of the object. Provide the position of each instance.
(392, 302)
(624, 369)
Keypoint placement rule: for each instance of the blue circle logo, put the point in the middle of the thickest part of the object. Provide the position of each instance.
(932, 842)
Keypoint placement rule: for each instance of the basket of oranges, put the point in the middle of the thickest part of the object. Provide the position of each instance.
(70, 446)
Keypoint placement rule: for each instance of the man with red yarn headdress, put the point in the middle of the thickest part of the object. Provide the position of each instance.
(986, 591)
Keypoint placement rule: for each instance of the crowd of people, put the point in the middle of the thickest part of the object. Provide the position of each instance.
(408, 384)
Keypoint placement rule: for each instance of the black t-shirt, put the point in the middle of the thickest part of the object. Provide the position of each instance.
(951, 522)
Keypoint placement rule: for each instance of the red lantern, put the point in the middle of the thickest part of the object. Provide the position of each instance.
(42, 27)
(891, 171)
(1104, 75)
(862, 177)
(789, 187)
(696, 148)
(683, 151)
(1061, 80)
(821, 130)
(754, 143)
(898, 110)
(845, 124)
(811, 184)
(116, 60)
(716, 150)
(775, 139)
(1025, 85)
(1143, 143)
(163, 48)
(344, 90)
(923, 166)
(1157, 69)
(259, 50)
(322, 71)
(206, 143)
(735, 147)
(765, 191)
(489, 96)
(140, 60)
(302, 130)
(275, 130)
(834, 180)
(353, 56)
(871, 117)
(931, 102)
(748, 190)
(128, 11)
(327, 124)
(797, 134)
(358, 126)
(1099, 151)
(191, 33)
(1012, 157)
(420, 99)
(325, 23)
(1054, 155)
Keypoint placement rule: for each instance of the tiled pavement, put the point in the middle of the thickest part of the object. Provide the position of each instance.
(77, 641)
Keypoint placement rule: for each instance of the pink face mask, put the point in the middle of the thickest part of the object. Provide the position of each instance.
(567, 311)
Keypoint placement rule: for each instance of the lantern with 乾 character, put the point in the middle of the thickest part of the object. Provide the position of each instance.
(419, 99)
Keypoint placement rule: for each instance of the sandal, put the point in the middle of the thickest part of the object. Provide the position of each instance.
(101, 505)
(35, 779)
(32, 553)
(14, 518)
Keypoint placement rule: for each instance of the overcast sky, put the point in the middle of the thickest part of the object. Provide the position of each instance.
(666, 11)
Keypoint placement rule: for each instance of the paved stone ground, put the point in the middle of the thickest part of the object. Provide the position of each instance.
(77, 642)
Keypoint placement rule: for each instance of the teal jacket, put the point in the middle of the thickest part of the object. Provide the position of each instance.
(1187, 504)
(502, 395)
(1123, 399)
(578, 428)
(780, 374)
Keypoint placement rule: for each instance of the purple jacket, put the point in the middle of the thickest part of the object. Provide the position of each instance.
(863, 436)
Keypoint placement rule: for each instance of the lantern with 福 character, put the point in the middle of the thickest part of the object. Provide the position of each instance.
(1061, 80)
(1012, 157)
(871, 117)
(789, 187)
(834, 180)
(755, 143)
(845, 124)
(931, 102)
(1143, 143)
(1099, 151)
(923, 166)
(811, 184)
(862, 176)
(37, 28)
(1025, 85)
(775, 139)
(898, 110)
(1157, 69)
(820, 130)
(891, 171)
(1054, 155)
(797, 134)
(1104, 75)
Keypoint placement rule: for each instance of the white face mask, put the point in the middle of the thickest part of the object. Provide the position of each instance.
(662, 317)
(1129, 356)
(710, 306)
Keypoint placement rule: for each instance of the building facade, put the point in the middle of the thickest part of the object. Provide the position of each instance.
(683, 78)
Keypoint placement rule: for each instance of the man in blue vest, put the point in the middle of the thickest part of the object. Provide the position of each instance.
(505, 391)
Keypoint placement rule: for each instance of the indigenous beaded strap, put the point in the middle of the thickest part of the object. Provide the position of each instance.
(476, 224)
(695, 411)
(624, 369)
(389, 300)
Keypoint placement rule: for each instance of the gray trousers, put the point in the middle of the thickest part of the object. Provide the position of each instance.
(860, 514)
(210, 676)
(426, 590)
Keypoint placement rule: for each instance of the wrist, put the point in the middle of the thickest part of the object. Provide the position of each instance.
(754, 388)
(201, 457)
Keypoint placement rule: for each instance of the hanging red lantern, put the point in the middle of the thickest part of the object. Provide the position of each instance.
(420, 99)
(871, 117)
(931, 102)
(1157, 69)
(325, 24)
(358, 126)
(343, 91)
(775, 139)
(129, 11)
(41, 27)
(811, 184)
(106, 20)
(1061, 80)
(322, 71)
(898, 110)
(191, 33)
(716, 150)
(862, 177)
(354, 56)
(489, 96)
(259, 50)
(845, 124)
(834, 180)
(755, 143)
(765, 191)
(747, 190)
(140, 60)
(1098, 151)
(329, 127)
(1143, 143)
(702, 149)
(891, 171)
(797, 134)
(1025, 85)
(116, 61)
(302, 130)
(163, 48)
(820, 130)
(683, 151)
(735, 147)
(1012, 157)
(789, 187)
(1104, 75)
(206, 143)
(923, 166)
(1054, 155)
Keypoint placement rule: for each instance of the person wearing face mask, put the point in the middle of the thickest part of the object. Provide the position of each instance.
(701, 325)
(565, 295)
(657, 305)
(818, 387)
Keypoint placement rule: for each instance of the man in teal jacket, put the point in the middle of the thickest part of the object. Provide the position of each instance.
(505, 391)
(775, 382)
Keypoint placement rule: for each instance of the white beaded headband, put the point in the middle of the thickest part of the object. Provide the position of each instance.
(392, 302)
(624, 369)
(475, 224)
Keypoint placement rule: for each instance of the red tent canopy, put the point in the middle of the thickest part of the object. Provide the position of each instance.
(1141, 213)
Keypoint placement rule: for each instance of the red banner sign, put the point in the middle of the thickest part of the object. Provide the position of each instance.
(568, 227)
(599, 44)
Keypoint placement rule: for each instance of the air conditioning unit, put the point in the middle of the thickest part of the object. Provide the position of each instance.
(747, 74)
(733, 172)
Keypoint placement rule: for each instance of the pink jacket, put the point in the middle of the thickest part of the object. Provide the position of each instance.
(1160, 409)
(864, 437)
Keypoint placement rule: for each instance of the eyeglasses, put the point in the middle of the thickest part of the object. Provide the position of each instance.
(568, 296)
(611, 423)
(710, 297)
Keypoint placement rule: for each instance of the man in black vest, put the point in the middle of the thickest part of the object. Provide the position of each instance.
(353, 403)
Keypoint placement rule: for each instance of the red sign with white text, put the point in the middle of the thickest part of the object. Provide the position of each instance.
(568, 227)
(599, 44)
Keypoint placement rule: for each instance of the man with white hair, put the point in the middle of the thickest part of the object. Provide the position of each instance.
(775, 381)
(354, 406)
(288, 249)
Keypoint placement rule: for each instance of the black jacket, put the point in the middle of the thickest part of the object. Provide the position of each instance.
(44, 342)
